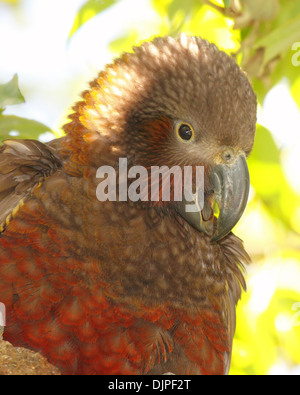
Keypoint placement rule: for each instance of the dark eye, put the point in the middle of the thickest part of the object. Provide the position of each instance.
(185, 131)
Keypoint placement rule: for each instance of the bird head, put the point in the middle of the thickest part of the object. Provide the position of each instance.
(176, 102)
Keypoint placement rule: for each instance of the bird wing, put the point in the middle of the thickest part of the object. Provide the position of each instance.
(24, 165)
(236, 258)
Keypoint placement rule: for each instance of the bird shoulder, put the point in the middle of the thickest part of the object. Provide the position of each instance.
(24, 165)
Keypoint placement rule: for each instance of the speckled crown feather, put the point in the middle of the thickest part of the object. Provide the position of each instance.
(183, 77)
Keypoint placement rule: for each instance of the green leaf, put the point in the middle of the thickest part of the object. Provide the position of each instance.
(179, 12)
(279, 40)
(226, 3)
(88, 11)
(179, 6)
(10, 93)
(20, 127)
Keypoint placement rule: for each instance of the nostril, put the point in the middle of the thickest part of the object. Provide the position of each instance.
(227, 155)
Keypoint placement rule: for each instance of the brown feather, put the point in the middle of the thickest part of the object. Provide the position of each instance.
(123, 287)
(24, 165)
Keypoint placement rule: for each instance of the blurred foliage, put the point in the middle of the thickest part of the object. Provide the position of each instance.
(10, 93)
(10, 2)
(268, 329)
(264, 38)
(259, 33)
(11, 125)
(269, 181)
(88, 11)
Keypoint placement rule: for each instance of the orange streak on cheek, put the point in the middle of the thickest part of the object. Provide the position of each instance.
(159, 129)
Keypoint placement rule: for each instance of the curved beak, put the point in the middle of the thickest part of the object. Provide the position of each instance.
(231, 184)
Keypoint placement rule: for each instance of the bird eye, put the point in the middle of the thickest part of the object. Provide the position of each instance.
(185, 131)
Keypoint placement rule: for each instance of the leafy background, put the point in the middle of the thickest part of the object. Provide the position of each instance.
(57, 46)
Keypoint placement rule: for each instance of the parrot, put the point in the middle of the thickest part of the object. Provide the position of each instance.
(132, 287)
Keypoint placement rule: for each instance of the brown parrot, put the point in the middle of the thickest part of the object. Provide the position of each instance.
(124, 287)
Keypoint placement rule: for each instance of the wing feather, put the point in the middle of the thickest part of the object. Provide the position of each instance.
(24, 164)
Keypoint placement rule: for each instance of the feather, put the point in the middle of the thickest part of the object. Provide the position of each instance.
(24, 164)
